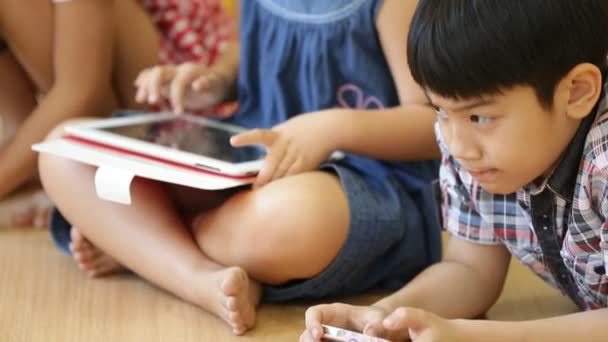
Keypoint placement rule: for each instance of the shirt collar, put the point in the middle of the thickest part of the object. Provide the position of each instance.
(563, 179)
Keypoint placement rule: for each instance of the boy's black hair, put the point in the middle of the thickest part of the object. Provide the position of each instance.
(470, 48)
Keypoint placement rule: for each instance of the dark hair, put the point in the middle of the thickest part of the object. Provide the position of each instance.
(470, 48)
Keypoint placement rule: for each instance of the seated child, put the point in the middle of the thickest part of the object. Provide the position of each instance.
(520, 90)
(308, 228)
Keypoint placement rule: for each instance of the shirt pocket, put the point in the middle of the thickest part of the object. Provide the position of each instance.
(590, 277)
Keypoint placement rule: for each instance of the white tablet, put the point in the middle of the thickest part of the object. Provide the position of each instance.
(185, 139)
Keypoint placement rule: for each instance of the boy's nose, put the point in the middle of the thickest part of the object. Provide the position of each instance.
(462, 146)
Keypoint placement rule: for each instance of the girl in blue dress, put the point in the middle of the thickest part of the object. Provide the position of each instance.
(310, 77)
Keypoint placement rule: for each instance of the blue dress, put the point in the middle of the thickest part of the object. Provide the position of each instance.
(309, 55)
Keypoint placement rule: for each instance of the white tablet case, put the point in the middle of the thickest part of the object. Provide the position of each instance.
(116, 170)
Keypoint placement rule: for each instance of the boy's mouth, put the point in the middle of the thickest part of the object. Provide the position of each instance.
(483, 175)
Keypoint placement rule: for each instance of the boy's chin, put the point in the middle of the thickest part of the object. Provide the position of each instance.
(500, 188)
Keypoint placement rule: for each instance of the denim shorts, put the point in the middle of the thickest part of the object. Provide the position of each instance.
(390, 240)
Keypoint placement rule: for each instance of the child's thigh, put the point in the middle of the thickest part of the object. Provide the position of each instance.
(136, 48)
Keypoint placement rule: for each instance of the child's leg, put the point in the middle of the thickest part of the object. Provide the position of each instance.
(96, 263)
(136, 48)
(17, 100)
(257, 230)
(316, 235)
(292, 228)
(150, 238)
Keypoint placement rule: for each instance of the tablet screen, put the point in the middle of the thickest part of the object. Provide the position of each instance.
(190, 136)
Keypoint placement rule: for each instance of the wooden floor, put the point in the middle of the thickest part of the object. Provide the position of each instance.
(44, 297)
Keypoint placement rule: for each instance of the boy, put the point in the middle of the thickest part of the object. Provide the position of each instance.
(522, 122)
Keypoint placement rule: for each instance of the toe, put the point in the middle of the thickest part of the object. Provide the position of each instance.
(231, 303)
(76, 236)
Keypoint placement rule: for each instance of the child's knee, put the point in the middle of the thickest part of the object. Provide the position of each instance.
(270, 238)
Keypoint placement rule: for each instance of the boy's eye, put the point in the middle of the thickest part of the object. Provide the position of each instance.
(480, 119)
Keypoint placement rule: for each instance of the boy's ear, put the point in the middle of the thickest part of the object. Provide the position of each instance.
(583, 88)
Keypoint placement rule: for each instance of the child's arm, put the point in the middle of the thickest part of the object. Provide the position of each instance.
(400, 133)
(584, 326)
(80, 83)
(465, 283)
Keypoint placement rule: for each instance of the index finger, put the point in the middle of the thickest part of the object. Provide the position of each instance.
(262, 137)
(181, 83)
(314, 317)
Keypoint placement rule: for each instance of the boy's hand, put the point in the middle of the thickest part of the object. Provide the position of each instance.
(366, 319)
(423, 326)
(298, 145)
(188, 85)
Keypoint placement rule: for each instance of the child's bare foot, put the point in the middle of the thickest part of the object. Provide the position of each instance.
(238, 299)
(92, 260)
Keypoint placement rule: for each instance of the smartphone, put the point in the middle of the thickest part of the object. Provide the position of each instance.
(342, 335)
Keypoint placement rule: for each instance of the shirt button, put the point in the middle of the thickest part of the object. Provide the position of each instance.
(600, 270)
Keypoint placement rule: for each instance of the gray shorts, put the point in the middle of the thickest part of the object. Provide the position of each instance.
(394, 234)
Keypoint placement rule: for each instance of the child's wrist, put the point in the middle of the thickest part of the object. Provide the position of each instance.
(335, 128)
(334, 123)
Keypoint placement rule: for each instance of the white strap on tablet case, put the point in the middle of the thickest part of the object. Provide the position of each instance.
(113, 184)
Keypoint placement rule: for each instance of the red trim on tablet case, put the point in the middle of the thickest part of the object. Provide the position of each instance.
(146, 156)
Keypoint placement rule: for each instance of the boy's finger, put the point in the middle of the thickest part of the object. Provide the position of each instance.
(306, 337)
(332, 314)
(407, 318)
(314, 318)
(374, 328)
(262, 137)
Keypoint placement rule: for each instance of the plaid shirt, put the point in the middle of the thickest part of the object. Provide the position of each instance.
(571, 204)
